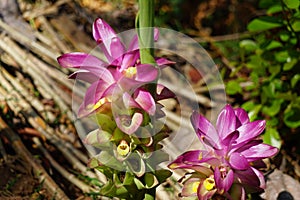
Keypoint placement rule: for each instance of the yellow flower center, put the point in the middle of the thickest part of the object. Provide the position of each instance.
(195, 186)
(209, 184)
(200, 156)
(101, 102)
(123, 148)
(130, 72)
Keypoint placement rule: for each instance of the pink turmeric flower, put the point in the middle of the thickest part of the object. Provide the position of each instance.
(120, 77)
(232, 154)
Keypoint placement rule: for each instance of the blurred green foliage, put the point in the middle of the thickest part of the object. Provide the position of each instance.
(267, 74)
(169, 13)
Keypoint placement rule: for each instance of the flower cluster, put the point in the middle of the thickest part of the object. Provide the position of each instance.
(228, 165)
(123, 98)
(122, 79)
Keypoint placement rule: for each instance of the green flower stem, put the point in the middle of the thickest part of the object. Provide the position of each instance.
(146, 43)
(145, 25)
(146, 31)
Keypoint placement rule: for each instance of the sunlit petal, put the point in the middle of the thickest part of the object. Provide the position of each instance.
(258, 152)
(242, 116)
(226, 122)
(79, 60)
(108, 40)
(146, 101)
(205, 130)
(250, 130)
(238, 161)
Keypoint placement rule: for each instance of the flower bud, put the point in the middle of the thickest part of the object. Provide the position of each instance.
(209, 184)
(123, 148)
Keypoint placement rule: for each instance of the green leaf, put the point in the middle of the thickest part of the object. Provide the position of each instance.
(121, 192)
(293, 41)
(297, 14)
(274, 108)
(249, 105)
(273, 44)
(258, 64)
(99, 139)
(269, 90)
(93, 163)
(282, 56)
(272, 137)
(136, 164)
(272, 122)
(295, 80)
(293, 4)
(117, 182)
(105, 122)
(149, 197)
(274, 9)
(107, 159)
(233, 87)
(296, 26)
(288, 96)
(138, 184)
(289, 65)
(255, 78)
(292, 115)
(252, 109)
(190, 198)
(267, 3)
(278, 83)
(264, 23)
(162, 175)
(129, 179)
(107, 171)
(274, 70)
(284, 36)
(248, 45)
(118, 135)
(108, 189)
(150, 180)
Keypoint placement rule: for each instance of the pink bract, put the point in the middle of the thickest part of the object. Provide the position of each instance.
(121, 76)
(231, 149)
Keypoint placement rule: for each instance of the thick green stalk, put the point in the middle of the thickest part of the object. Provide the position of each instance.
(146, 31)
(146, 44)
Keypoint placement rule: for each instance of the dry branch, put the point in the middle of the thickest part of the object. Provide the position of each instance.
(53, 35)
(28, 66)
(33, 45)
(38, 170)
(2, 151)
(189, 94)
(30, 98)
(44, 10)
(20, 106)
(71, 177)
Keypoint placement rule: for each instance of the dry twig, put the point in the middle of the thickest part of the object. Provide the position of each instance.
(38, 170)
(20, 106)
(71, 177)
(33, 45)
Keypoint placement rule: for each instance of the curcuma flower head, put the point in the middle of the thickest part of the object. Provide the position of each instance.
(120, 79)
(228, 164)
